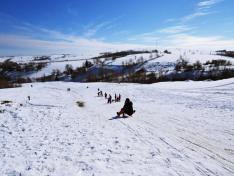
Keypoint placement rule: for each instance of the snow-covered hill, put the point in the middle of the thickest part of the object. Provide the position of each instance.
(151, 62)
(54, 62)
(179, 128)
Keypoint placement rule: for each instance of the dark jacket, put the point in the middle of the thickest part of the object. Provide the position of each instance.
(128, 109)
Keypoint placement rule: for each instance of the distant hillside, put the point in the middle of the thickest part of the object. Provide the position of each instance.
(225, 53)
(125, 66)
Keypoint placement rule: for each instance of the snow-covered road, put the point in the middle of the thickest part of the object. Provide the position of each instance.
(180, 128)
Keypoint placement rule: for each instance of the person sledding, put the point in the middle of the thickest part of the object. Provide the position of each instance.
(127, 109)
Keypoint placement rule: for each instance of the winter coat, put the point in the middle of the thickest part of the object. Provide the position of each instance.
(128, 109)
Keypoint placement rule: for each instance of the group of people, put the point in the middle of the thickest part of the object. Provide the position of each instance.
(109, 98)
(128, 105)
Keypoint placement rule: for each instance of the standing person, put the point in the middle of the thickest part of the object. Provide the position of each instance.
(116, 98)
(109, 99)
(105, 95)
(119, 97)
(127, 108)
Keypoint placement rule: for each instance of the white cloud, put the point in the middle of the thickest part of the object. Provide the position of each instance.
(170, 20)
(92, 28)
(175, 29)
(202, 9)
(195, 15)
(34, 38)
(198, 42)
(149, 37)
(208, 3)
(73, 44)
(91, 31)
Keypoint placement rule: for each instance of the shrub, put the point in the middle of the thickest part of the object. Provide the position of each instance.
(197, 65)
(68, 69)
(80, 103)
(188, 68)
(218, 62)
(42, 58)
(225, 53)
(6, 83)
(181, 64)
(6, 102)
(167, 52)
(78, 71)
(10, 66)
(87, 64)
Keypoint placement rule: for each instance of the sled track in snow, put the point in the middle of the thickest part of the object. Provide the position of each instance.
(178, 133)
(197, 165)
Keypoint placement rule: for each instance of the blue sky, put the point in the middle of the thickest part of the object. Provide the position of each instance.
(92, 26)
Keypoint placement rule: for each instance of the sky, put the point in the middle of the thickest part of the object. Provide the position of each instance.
(37, 27)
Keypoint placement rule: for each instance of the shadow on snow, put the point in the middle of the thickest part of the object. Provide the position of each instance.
(119, 117)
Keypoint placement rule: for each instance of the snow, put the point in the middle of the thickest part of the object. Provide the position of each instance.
(179, 128)
(152, 62)
(56, 62)
(132, 57)
(166, 62)
(56, 66)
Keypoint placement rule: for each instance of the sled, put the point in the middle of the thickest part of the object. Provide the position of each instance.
(126, 115)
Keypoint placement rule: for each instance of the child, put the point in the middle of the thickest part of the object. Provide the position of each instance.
(119, 98)
(109, 99)
(127, 109)
(116, 98)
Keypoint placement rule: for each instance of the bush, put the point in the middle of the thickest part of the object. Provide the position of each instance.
(181, 64)
(167, 52)
(6, 102)
(188, 68)
(80, 103)
(87, 64)
(197, 65)
(9, 66)
(78, 71)
(68, 69)
(6, 83)
(42, 58)
(219, 62)
(225, 53)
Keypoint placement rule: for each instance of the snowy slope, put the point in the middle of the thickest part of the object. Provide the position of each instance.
(56, 66)
(180, 128)
(166, 62)
(56, 62)
(132, 57)
(151, 62)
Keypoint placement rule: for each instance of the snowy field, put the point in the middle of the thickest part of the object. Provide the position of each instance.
(152, 62)
(56, 62)
(179, 128)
